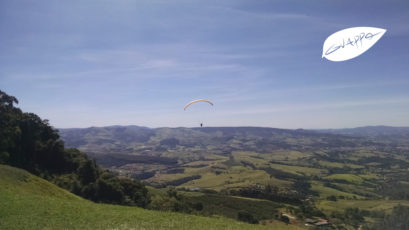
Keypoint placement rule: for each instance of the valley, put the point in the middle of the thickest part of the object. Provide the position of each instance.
(308, 173)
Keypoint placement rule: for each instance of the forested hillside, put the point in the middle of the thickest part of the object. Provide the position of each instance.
(29, 142)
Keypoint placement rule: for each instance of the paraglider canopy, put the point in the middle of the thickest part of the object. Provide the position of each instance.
(195, 101)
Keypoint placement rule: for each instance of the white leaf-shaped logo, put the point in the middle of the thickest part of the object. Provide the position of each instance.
(349, 43)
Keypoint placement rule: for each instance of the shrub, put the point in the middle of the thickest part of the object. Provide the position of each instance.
(246, 217)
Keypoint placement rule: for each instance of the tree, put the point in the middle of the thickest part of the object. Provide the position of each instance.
(135, 192)
(246, 217)
(285, 219)
(302, 186)
(87, 172)
(6, 100)
(332, 198)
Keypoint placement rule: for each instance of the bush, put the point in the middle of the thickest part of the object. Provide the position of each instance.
(285, 219)
(332, 198)
(246, 217)
(198, 206)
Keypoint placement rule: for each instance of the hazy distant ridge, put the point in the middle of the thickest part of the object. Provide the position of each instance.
(370, 131)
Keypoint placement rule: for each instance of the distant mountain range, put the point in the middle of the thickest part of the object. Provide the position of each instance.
(138, 139)
(370, 131)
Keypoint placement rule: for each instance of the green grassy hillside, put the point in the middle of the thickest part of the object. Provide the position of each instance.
(29, 202)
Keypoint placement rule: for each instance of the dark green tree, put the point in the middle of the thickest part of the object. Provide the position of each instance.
(246, 217)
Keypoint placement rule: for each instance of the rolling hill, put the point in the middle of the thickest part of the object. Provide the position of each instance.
(29, 202)
(329, 173)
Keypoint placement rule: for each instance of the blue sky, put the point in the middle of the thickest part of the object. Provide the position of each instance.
(98, 63)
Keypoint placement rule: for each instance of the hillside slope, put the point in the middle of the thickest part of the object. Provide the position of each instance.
(29, 202)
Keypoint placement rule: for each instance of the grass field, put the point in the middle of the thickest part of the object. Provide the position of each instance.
(28, 202)
(328, 164)
(229, 206)
(370, 205)
(237, 176)
(298, 170)
(326, 191)
(350, 178)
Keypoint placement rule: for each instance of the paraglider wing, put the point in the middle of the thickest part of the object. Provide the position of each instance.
(195, 101)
